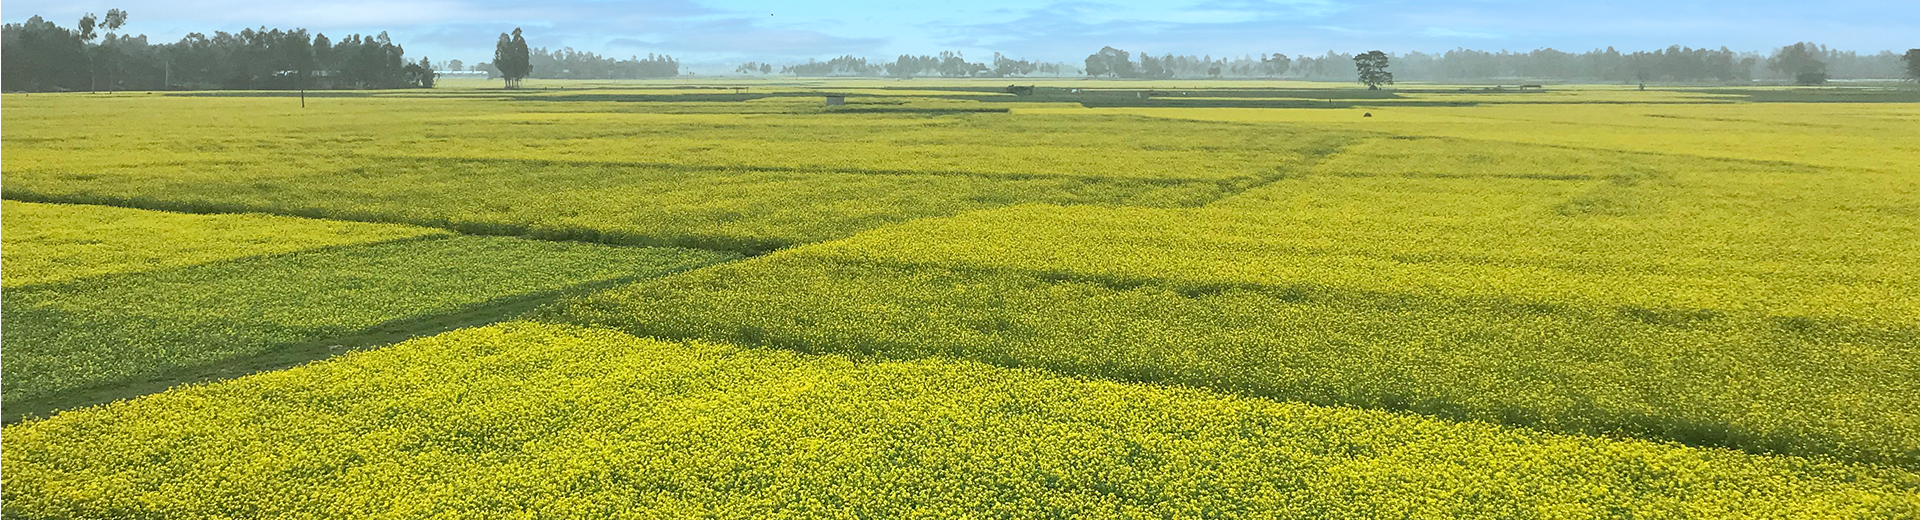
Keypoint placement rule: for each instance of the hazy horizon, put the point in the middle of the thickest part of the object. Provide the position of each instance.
(708, 33)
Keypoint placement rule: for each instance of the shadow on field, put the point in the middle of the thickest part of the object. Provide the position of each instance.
(290, 355)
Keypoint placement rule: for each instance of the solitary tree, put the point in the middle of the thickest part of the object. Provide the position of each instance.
(1373, 69)
(1912, 57)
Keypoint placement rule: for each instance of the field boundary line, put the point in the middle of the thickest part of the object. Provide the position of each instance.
(748, 247)
(1291, 171)
(683, 167)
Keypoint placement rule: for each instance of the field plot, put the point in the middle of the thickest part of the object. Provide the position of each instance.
(569, 421)
(49, 243)
(1857, 135)
(97, 332)
(1711, 302)
(627, 172)
(1105, 299)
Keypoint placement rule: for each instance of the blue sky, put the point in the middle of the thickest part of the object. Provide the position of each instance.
(730, 31)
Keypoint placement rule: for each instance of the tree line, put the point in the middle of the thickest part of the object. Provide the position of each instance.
(948, 64)
(1805, 63)
(40, 56)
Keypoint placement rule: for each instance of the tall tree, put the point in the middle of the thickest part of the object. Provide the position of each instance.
(1373, 69)
(87, 35)
(522, 57)
(114, 20)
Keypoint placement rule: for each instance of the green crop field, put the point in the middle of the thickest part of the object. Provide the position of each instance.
(1106, 299)
(251, 289)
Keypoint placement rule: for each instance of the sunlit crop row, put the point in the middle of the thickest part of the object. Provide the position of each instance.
(1436, 246)
(49, 243)
(551, 421)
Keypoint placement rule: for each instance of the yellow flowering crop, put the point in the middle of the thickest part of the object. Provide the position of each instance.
(533, 420)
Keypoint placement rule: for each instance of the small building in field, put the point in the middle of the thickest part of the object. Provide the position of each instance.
(834, 101)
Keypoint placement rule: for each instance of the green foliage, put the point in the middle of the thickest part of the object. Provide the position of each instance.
(1372, 66)
(579, 422)
(41, 56)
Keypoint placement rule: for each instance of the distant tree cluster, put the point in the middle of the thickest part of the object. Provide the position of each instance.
(1008, 67)
(946, 64)
(1112, 63)
(1116, 63)
(1676, 64)
(841, 66)
(513, 61)
(41, 56)
(1798, 61)
(567, 63)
